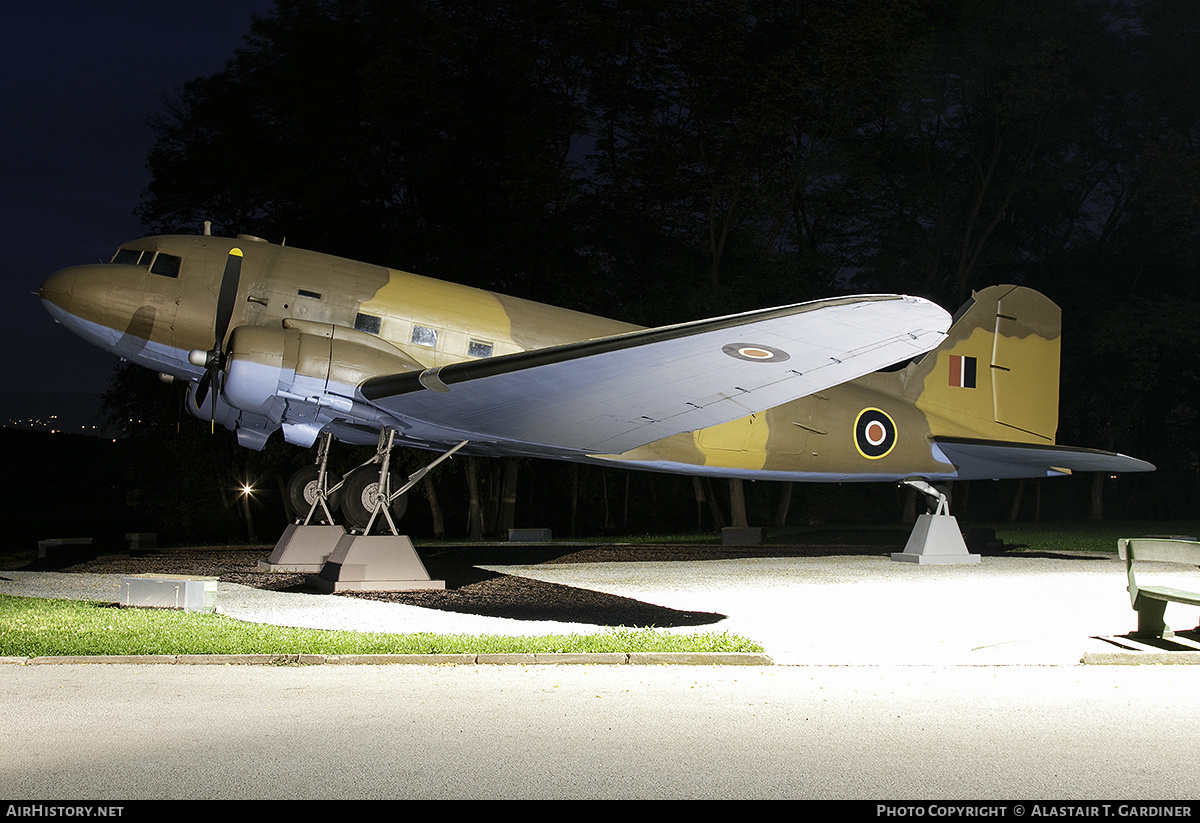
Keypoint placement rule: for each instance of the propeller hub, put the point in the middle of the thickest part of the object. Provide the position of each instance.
(200, 357)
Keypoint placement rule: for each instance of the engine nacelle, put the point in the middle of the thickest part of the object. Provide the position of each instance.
(288, 373)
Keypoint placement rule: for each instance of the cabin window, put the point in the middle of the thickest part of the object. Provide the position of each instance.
(424, 336)
(315, 295)
(166, 265)
(479, 348)
(367, 322)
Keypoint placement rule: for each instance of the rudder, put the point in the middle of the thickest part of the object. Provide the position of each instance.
(996, 375)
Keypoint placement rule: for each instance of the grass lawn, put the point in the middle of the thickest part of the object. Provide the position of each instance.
(1086, 535)
(32, 627)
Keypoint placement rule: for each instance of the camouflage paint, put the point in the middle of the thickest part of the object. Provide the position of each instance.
(994, 378)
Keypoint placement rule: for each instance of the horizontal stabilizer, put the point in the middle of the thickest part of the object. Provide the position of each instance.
(998, 460)
(613, 394)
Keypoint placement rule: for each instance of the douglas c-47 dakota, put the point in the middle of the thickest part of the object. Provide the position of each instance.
(865, 388)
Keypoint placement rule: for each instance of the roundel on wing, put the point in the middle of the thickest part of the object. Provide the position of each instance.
(755, 352)
(874, 433)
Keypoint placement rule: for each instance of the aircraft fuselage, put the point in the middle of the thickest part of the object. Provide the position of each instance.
(306, 330)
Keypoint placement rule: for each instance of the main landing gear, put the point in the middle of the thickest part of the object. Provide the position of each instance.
(936, 537)
(373, 556)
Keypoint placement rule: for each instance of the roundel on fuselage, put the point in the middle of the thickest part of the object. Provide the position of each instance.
(874, 433)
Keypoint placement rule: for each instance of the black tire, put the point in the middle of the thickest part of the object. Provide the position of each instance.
(357, 492)
(301, 491)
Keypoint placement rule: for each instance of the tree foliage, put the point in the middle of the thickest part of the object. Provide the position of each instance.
(662, 161)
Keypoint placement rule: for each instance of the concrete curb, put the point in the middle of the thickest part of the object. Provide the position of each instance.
(1141, 659)
(613, 658)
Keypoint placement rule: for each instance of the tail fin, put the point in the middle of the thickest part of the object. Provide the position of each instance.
(996, 375)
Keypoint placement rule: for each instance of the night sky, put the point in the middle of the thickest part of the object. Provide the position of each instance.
(78, 80)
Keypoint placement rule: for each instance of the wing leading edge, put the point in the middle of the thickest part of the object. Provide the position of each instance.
(612, 394)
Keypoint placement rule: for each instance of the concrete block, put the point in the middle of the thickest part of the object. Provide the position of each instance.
(742, 536)
(936, 540)
(303, 549)
(373, 563)
(170, 591)
(46, 546)
(142, 540)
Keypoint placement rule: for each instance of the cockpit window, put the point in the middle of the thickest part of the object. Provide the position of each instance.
(166, 265)
(127, 257)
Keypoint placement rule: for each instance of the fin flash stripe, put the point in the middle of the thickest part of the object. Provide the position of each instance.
(962, 371)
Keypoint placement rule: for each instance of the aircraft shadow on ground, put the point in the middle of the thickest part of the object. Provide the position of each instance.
(473, 590)
(470, 590)
(1185, 640)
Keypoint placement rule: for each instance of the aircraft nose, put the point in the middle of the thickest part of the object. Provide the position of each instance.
(86, 295)
(59, 288)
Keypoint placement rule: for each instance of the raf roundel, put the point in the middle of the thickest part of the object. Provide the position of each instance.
(874, 433)
(755, 352)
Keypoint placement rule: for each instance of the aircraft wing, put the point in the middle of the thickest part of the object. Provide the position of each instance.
(992, 459)
(612, 394)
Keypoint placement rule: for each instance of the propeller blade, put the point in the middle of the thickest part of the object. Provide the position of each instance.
(226, 300)
(201, 388)
(227, 297)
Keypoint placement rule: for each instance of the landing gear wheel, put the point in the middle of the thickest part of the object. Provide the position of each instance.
(302, 493)
(358, 498)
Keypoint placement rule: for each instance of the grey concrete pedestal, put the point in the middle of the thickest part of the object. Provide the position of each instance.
(374, 563)
(303, 549)
(936, 539)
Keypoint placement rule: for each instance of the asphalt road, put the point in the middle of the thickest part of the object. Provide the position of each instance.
(604, 732)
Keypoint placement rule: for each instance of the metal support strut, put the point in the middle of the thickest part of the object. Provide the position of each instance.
(321, 494)
(937, 496)
(388, 562)
(383, 495)
(352, 560)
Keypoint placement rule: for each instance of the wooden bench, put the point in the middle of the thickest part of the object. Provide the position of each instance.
(1151, 601)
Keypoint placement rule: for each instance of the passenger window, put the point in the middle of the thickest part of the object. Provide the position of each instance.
(424, 336)
(367, 322)
(166, 265)
(479, 348)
